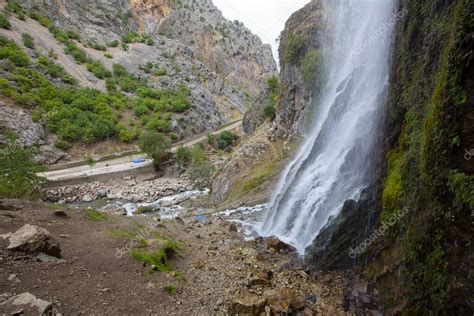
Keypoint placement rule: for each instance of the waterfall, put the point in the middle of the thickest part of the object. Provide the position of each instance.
(336, 158)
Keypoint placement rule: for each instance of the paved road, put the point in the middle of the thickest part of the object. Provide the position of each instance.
(121, 164)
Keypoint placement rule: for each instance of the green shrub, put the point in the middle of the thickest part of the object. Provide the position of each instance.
(28, 40)
(4, 23)
(14, 6)
(55, 70)
(312, 70)
(125, 134)
(212, 139)
(161, 72)
(156, 146)
(113, 43)
(73, 35)
(17, 169)
(62, 144)
(98, 69)
(293, 47)
(158, 124)
(170, 289)
(108, 55)
(134, 37)
(98, 46)
(198, 155)
(78, 54)
(147, 67)
(183, 155)
(120, 71)
(227, 139)
(128, 84)
(10, 50)
(110, 85)
(269, 111)
(272, 83)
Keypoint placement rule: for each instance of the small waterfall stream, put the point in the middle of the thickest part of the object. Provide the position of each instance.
(334, 163)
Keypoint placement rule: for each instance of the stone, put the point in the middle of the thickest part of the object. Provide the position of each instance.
(233, 228)
(6, 236)
(28, 304)
(247, 304)
(42, 257)
(278, 245)
(31, 239)
(87, 198)
(59, 213)
(283, 300)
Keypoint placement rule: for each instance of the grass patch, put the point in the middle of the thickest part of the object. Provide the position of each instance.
(56, 206)
(144, 210)
(119, 232)
(95, 215)
(170, 289)
(159, 257)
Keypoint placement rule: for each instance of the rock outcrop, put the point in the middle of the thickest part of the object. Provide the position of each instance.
(304, 32)
(31, 239)
(27, 304)
(418, 264)
(29, 134)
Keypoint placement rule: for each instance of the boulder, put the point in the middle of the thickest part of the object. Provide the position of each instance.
(247, 304)
(27, 304)
(33, 239)
(278, 245)
(283, 301)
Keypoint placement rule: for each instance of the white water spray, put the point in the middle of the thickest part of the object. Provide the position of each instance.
(335, 162)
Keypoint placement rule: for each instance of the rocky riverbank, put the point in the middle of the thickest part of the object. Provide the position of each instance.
(131, 189)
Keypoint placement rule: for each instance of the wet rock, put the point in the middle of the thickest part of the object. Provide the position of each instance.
(32, 239)
(278, 245)
(87, 198)
(247, 304)
(283, 300)
(233, 228)
(27, 304)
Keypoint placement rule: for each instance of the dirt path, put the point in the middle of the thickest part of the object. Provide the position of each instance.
(213, 268)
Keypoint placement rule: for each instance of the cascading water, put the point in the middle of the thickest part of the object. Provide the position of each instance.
(334, 164)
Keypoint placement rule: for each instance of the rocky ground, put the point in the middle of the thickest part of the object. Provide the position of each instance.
(213, 272)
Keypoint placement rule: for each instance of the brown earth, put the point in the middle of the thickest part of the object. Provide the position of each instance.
(213, 268)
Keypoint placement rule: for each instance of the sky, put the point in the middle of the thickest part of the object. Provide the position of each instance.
(266, 18)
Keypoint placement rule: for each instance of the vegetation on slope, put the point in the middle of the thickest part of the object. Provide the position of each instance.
(427, 172)
(80, 114)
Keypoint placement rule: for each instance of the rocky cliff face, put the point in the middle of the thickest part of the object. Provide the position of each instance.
(193, 34)
(423, 260)
(222, 64)
(302, 34)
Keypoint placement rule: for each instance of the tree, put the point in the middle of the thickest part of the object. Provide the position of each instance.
(18, 169)
(183, 155)
(156, 146)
